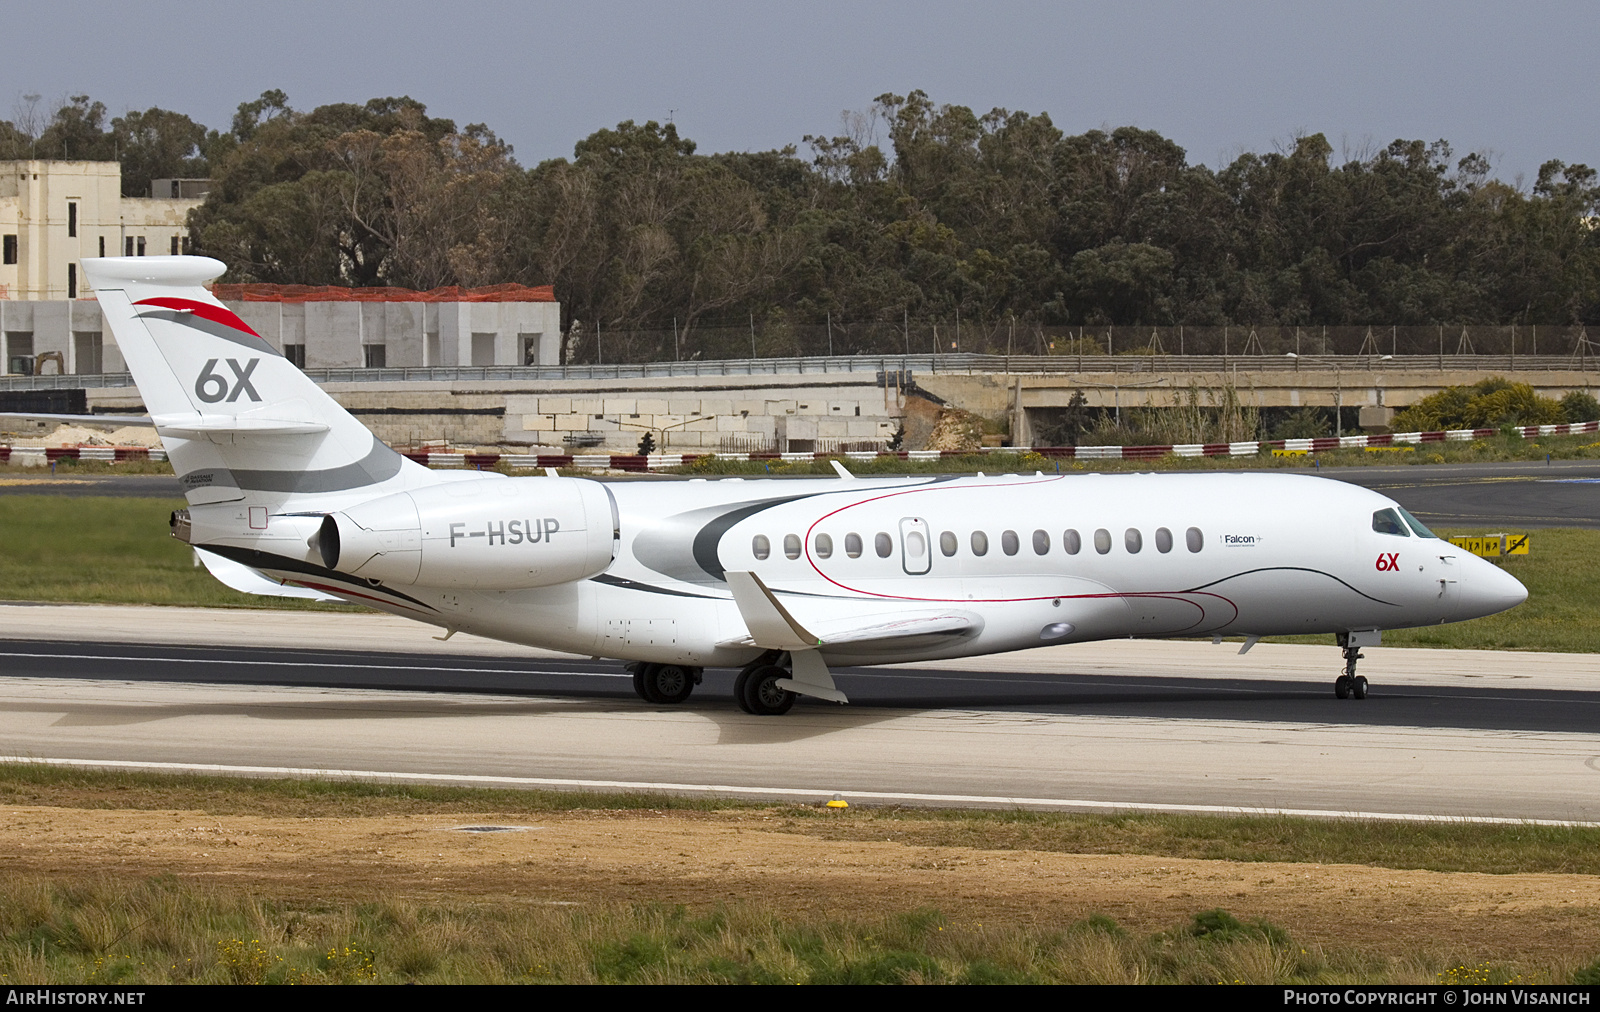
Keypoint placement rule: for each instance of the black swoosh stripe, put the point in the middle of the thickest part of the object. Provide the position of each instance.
(283, 564)
(625, 584)
(1298, 569)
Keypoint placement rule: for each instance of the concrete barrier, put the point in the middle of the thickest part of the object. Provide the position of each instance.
(37, 455)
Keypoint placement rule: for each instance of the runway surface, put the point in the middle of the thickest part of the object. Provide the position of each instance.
(1184, 726)
(1517, 494)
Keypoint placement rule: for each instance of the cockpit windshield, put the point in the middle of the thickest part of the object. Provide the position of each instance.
(1389, 522)
(1416, 525)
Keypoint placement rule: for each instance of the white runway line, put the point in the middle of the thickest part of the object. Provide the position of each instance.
(726, 790)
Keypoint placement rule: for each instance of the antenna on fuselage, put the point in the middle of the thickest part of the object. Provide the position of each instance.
(843, 471)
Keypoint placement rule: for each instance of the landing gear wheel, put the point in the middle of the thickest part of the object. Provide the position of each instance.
(1358, 687)
(1341, 687)
(668, 683)
(739, 684)
(638, 680)
(762, 695)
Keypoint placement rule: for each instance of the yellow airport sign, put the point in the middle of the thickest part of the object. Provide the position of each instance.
(1494, 546)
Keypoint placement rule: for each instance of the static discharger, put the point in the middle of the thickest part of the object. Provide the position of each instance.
(1494, 546)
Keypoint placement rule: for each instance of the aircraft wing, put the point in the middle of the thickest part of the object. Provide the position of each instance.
(772, 626)
(242, 578)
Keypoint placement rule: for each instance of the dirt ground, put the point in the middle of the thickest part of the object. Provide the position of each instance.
(709, 858)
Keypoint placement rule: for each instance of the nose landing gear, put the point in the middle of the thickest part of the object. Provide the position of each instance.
(1350, 684)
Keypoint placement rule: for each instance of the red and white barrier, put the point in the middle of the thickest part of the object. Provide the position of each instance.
(664, 461)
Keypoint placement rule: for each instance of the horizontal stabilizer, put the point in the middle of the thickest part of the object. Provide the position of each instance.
(204, 426)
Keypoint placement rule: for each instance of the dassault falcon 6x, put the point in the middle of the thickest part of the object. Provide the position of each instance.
(289, 494)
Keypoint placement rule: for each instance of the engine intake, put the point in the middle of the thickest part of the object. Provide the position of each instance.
(492, 534)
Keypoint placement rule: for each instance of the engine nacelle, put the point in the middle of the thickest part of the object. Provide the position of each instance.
(493, 534)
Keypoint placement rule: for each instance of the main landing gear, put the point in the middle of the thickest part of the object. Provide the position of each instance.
(664, 683)
(1350, 684)
(756, 689)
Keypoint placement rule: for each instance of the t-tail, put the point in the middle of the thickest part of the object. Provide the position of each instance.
(261, 451)
(238, 420)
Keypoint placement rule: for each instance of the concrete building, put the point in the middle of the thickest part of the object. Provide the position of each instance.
(374, 328)
(54, 213)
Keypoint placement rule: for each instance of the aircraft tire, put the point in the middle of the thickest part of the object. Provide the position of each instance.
(1341, 687)
(669, 683)
(762, 697)
(1358, 687)
(638, 681)
(645, 681)
(739, 684)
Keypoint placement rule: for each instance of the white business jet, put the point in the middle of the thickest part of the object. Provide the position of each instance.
(290, 495)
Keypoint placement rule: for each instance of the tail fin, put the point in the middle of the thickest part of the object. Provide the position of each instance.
(237, 418)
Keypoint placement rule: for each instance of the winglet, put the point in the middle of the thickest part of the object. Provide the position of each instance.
(770, 624)
(843, 471)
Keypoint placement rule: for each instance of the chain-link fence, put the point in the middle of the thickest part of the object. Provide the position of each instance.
(756, 340)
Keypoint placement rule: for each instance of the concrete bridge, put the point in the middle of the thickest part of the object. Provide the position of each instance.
(842, 402)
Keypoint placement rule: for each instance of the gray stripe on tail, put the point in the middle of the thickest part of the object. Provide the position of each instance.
(379, 465)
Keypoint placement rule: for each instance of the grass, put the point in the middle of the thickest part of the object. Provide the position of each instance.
(1442, 846)
(129, 930)
(94, 549)
(163, 931)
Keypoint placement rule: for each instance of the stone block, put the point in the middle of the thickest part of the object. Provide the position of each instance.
(651, 406)
(537, 423)
(556, 405)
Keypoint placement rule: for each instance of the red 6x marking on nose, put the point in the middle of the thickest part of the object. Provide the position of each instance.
(1388, 562)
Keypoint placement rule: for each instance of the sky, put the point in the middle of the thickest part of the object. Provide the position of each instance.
(1515, 81)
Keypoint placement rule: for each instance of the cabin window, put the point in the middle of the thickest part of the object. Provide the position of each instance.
(1102, 541)
(791, 546)
(1071, 542)
(883, 545)
(1194, 539)
(1416, 525)
(916, 544)
(1041, 543)
(980, 543)
(948, 543)
(1132, 540)
(760, 547)
(1008, 542)
(1389, 522)
(823, 544)
(852, 545)
(1163, 540)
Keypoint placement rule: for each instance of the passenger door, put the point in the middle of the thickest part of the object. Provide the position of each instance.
(916, 550)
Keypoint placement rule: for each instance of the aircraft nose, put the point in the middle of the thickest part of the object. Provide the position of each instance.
(1489, 590)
